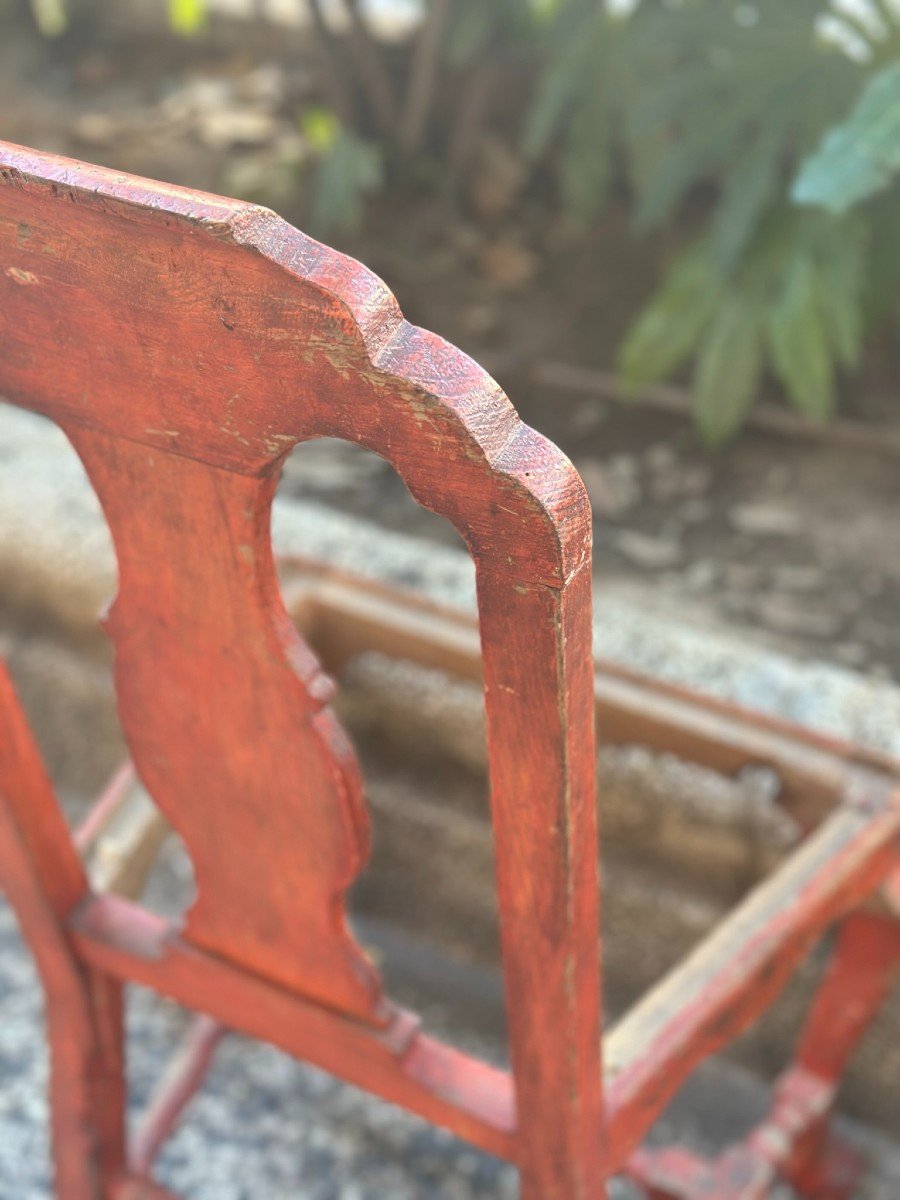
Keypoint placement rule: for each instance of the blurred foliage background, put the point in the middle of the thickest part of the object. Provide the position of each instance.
(762, 139)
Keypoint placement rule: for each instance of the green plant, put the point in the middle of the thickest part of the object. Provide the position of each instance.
(763, 137)
(793, 301)
(860, 157)
(742, 96)
(386, 112)
(347, 168)
(186, 17)
(701, 112)
(583, 93)
(50, 16)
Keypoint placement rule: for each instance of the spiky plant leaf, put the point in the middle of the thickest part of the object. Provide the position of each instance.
(840, 282)
(349, 169)
(859, 157)
(728, 91)
(562, 84)
(749, 190)
(668, 329)
(728, 368)
(880, 285)
(799, 342)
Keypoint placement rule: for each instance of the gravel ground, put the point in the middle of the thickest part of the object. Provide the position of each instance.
(262, 1125)
(266, 1126)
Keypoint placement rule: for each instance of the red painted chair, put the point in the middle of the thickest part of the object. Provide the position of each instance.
(185, 343)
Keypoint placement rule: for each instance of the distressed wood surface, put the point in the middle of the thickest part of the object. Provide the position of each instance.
(185, 343)
(399, 1063)
(44, 882)
(735, 974)
(344, 614)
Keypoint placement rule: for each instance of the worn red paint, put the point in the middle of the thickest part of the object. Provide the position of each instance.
(185, 343)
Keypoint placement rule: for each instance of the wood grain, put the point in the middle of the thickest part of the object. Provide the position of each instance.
(44, 882)
(185, 343)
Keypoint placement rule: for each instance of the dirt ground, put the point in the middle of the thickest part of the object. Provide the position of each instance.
(793, 541)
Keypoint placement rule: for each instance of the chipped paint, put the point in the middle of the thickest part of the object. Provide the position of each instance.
(25, 278)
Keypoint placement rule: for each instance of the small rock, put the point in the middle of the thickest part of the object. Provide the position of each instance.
(644, 550)
(782, 614)
(465, 239)
(670, 581)
(330, 466)
(612, 490)
(624, 471)
(596, 479)
(872, 584)
(508, 264)
(737, 604)
(848, 602)
(265, 84)
(96, 128)
(498, 179)
(875, 632)
(95, 69)
(666, 486)
(851, 654)
(766, 820)
(202, 94)
(263, 175)
(672, 479)
(798, 579)
(623, 465)
(480, 319)
(778, 478)
(222, 129)
(743, 575)
(701, 575)
(660, 457)
(588, 416)
(765, 520)
(694, 481)
(695, 510)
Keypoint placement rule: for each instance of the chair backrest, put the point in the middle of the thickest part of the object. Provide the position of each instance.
(185, 344)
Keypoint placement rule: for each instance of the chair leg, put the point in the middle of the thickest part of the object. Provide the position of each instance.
(87, 1089)
(796, 1143)
(859, 979)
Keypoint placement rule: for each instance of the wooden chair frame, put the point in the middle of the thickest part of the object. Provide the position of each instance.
(185, 344)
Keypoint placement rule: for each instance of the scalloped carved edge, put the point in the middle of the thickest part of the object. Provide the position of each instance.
(394, 347)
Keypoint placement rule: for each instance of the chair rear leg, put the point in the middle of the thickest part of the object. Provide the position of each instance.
(44, 881)
(84, 1025)
(796, 1143)
(87, 1090)
(859, 980)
